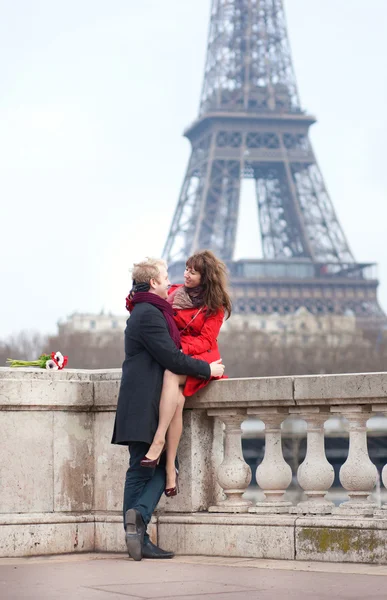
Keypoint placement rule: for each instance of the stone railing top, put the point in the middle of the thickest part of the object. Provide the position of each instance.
(98, 389)
(300, 390)
(74, 388)
(36, 374)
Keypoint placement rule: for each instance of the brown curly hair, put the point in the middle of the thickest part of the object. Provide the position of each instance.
(214, 279)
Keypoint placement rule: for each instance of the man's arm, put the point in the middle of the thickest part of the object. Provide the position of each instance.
(157, 341)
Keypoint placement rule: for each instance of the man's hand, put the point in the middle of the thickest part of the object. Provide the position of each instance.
(217, 368)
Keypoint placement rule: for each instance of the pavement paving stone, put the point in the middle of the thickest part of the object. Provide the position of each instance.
(115, 577)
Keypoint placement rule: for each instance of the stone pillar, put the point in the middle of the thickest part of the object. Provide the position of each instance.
(201, 447)
(273, 475)
(233, 474)
(384, 479)
(382, 511)
(315, 474)
(358, 475)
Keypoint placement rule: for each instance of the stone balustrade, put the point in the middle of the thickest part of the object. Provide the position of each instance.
(314, 399)
(61, 480)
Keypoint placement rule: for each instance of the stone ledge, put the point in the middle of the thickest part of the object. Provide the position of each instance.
(36, 374)
(326, 539)
(105, 374)
(109, 532)
(246, 536)
(82, 389)
(62, 533)
(205, 518)
(61, 517)
(245, 392)
(45, 518)
(342, 522)
(32, 539)
(46, 389)
(344, 388)
(112, 517)
(106, 394)
(341, 543)
(73, 389)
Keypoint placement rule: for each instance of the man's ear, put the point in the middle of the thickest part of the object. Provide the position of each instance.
(152, 283)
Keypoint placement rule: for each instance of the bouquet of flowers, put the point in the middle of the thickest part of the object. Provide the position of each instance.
(55, 361)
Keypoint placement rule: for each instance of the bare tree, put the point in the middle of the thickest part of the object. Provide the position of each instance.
(245, 353)
(88, 350)
(256, 354)
(85, 350)
(26, 345)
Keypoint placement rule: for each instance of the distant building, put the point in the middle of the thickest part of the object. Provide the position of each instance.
(301, 325)
(92, 323)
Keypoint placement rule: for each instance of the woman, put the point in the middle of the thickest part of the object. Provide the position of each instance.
(199, 306)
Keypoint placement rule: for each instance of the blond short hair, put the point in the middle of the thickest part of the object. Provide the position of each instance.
(148, 269)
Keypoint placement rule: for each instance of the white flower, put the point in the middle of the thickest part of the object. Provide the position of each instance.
(50, 364)
(59, 358)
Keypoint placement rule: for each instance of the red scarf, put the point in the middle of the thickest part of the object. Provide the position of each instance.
(164, 307)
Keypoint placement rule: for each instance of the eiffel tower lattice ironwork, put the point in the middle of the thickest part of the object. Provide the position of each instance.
(251, 125)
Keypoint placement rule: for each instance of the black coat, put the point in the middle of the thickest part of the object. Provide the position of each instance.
(149, 350)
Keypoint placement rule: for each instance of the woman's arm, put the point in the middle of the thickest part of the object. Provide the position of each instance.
(192, 344)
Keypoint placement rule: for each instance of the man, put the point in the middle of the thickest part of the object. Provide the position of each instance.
(149, 350)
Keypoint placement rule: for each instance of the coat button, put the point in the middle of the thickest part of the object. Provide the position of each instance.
(208, 350)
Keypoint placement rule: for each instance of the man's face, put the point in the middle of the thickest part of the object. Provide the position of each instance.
(160, 286)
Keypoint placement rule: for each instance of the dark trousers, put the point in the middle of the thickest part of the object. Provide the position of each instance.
(143, 486)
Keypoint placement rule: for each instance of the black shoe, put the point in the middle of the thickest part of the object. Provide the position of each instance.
(135, 530)
(149, 550)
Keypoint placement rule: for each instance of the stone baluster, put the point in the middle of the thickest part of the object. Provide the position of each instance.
(382, 511)
(233, 474)
(315, 474)
(358, 475)
(273, 475)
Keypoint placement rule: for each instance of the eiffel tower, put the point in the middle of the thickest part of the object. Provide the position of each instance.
(251, 125)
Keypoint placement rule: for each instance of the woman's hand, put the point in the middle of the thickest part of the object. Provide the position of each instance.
(217, 368)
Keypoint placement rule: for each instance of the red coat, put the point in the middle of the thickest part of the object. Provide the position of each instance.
(199, 339)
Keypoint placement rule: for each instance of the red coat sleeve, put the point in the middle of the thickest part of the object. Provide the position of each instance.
(192, 344)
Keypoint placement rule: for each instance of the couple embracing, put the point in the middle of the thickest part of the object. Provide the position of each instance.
(171, 352)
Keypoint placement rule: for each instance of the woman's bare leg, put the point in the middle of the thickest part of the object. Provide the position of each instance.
(168, 403)
(173, 438)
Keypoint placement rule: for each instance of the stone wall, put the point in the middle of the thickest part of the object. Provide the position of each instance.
(61, 480)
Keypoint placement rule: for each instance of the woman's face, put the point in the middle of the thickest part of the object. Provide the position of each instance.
(192, 278)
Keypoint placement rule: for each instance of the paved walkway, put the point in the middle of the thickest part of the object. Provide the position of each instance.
(115, 577)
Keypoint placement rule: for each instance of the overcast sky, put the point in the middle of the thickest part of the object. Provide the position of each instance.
(94, 96)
